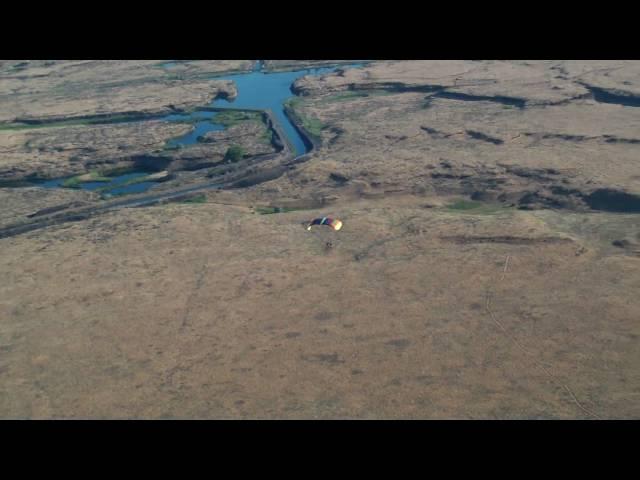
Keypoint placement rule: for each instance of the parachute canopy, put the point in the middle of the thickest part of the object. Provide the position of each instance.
(331, 222)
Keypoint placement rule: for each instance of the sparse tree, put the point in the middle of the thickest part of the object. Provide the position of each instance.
(234, 154)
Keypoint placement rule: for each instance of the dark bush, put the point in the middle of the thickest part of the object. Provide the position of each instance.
(234, 154)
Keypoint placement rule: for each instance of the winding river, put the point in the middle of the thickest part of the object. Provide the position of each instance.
(257, 90)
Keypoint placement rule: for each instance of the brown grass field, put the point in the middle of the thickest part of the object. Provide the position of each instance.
(425, 306)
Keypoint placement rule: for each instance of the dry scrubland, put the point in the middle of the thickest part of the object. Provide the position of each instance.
(522, 305)
(211, 311)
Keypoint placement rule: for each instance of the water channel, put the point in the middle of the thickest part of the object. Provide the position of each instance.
(257, 90)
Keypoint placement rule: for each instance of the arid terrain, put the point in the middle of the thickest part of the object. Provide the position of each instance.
(488, 266)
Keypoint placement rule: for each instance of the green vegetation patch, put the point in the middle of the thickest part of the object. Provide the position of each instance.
(381, 93)
(116, 172)
(477, 208)
(202, 198)
(93, 176)
(234, 154)
(271, 210)
(313, 125)
(464, 205)
(35, 126)
(106, 177)
(191, 121)
(229, 118)
(293, 102)
(340, 97)
(351, 94)
(126, 183)
(267, 137)
(71, 122)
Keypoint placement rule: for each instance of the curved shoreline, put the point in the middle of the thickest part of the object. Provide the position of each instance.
(242, 180)
(251, 175)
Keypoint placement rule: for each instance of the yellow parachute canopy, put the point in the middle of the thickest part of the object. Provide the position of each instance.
(331, 222)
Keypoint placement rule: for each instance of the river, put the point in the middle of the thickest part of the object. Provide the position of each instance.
(257, 90)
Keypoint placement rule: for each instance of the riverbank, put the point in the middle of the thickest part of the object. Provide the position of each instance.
(174, 158)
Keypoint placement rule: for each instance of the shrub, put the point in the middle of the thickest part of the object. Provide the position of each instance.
(234, 153)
